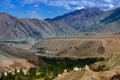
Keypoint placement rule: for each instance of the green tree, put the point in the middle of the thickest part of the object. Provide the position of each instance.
(32, 73)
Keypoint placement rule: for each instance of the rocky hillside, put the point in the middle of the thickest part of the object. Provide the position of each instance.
(81, 20)
(12, 58)
(92, 20)
(88, 74)
(12, 28)
(111, 63)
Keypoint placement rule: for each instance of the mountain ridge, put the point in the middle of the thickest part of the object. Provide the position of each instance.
(73, 13)
(84, 22)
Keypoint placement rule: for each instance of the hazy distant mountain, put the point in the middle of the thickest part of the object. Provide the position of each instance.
(76, 23)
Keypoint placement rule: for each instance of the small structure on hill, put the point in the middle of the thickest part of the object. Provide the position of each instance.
(86, 67)
(18, 70)
(65, 70)
(59, 75)
(25, 71)
(5, 73)
(76, 69)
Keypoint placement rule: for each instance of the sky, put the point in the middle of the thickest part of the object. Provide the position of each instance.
(42, 9)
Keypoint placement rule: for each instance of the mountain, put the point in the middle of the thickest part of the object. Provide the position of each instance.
(81, 20)
(84, 22)
(12, 28)
(83, 13)
(92, 20)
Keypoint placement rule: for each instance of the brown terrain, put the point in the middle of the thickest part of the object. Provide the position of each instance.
(89, 75)
(85, 22)
(107, 69)
(78, 47)
(12, 58)
(110, 70)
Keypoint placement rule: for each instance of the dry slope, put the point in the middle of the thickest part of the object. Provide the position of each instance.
(88, 75)
(78, 46)
(12, 58)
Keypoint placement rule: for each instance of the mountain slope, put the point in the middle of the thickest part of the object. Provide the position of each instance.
(12, 28)
(81, 20)
(12, 58)
(84, 22)
(89, 75)
(111, 63)
(92, 20)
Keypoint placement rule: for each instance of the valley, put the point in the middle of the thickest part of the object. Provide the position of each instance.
(80, 45)
(96, 52)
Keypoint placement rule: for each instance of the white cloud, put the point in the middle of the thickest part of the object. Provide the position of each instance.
(34, 1)
(34, 12)
(108, 0)
(36, 5)
(72, 4)
(111, 5)
(12, 6)
(78, 8)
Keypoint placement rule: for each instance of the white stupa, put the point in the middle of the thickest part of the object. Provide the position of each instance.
(65, 70)
(86, 67)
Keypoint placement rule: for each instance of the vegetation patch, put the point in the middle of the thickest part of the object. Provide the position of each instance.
(53, 67)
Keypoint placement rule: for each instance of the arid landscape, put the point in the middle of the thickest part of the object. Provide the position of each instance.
(78, 46)
(67, 47)
(12, 58)
(50, 40)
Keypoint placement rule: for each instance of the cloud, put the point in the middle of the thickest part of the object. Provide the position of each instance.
(32, 14)
(111, 6)
(72, 4)
(36, 5)
(78, 8)
(33, 1)
(108, 0)
(12, 6)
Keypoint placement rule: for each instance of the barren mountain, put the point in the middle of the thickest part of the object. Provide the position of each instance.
(12, 28)
(92, 20)
(82, 22)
